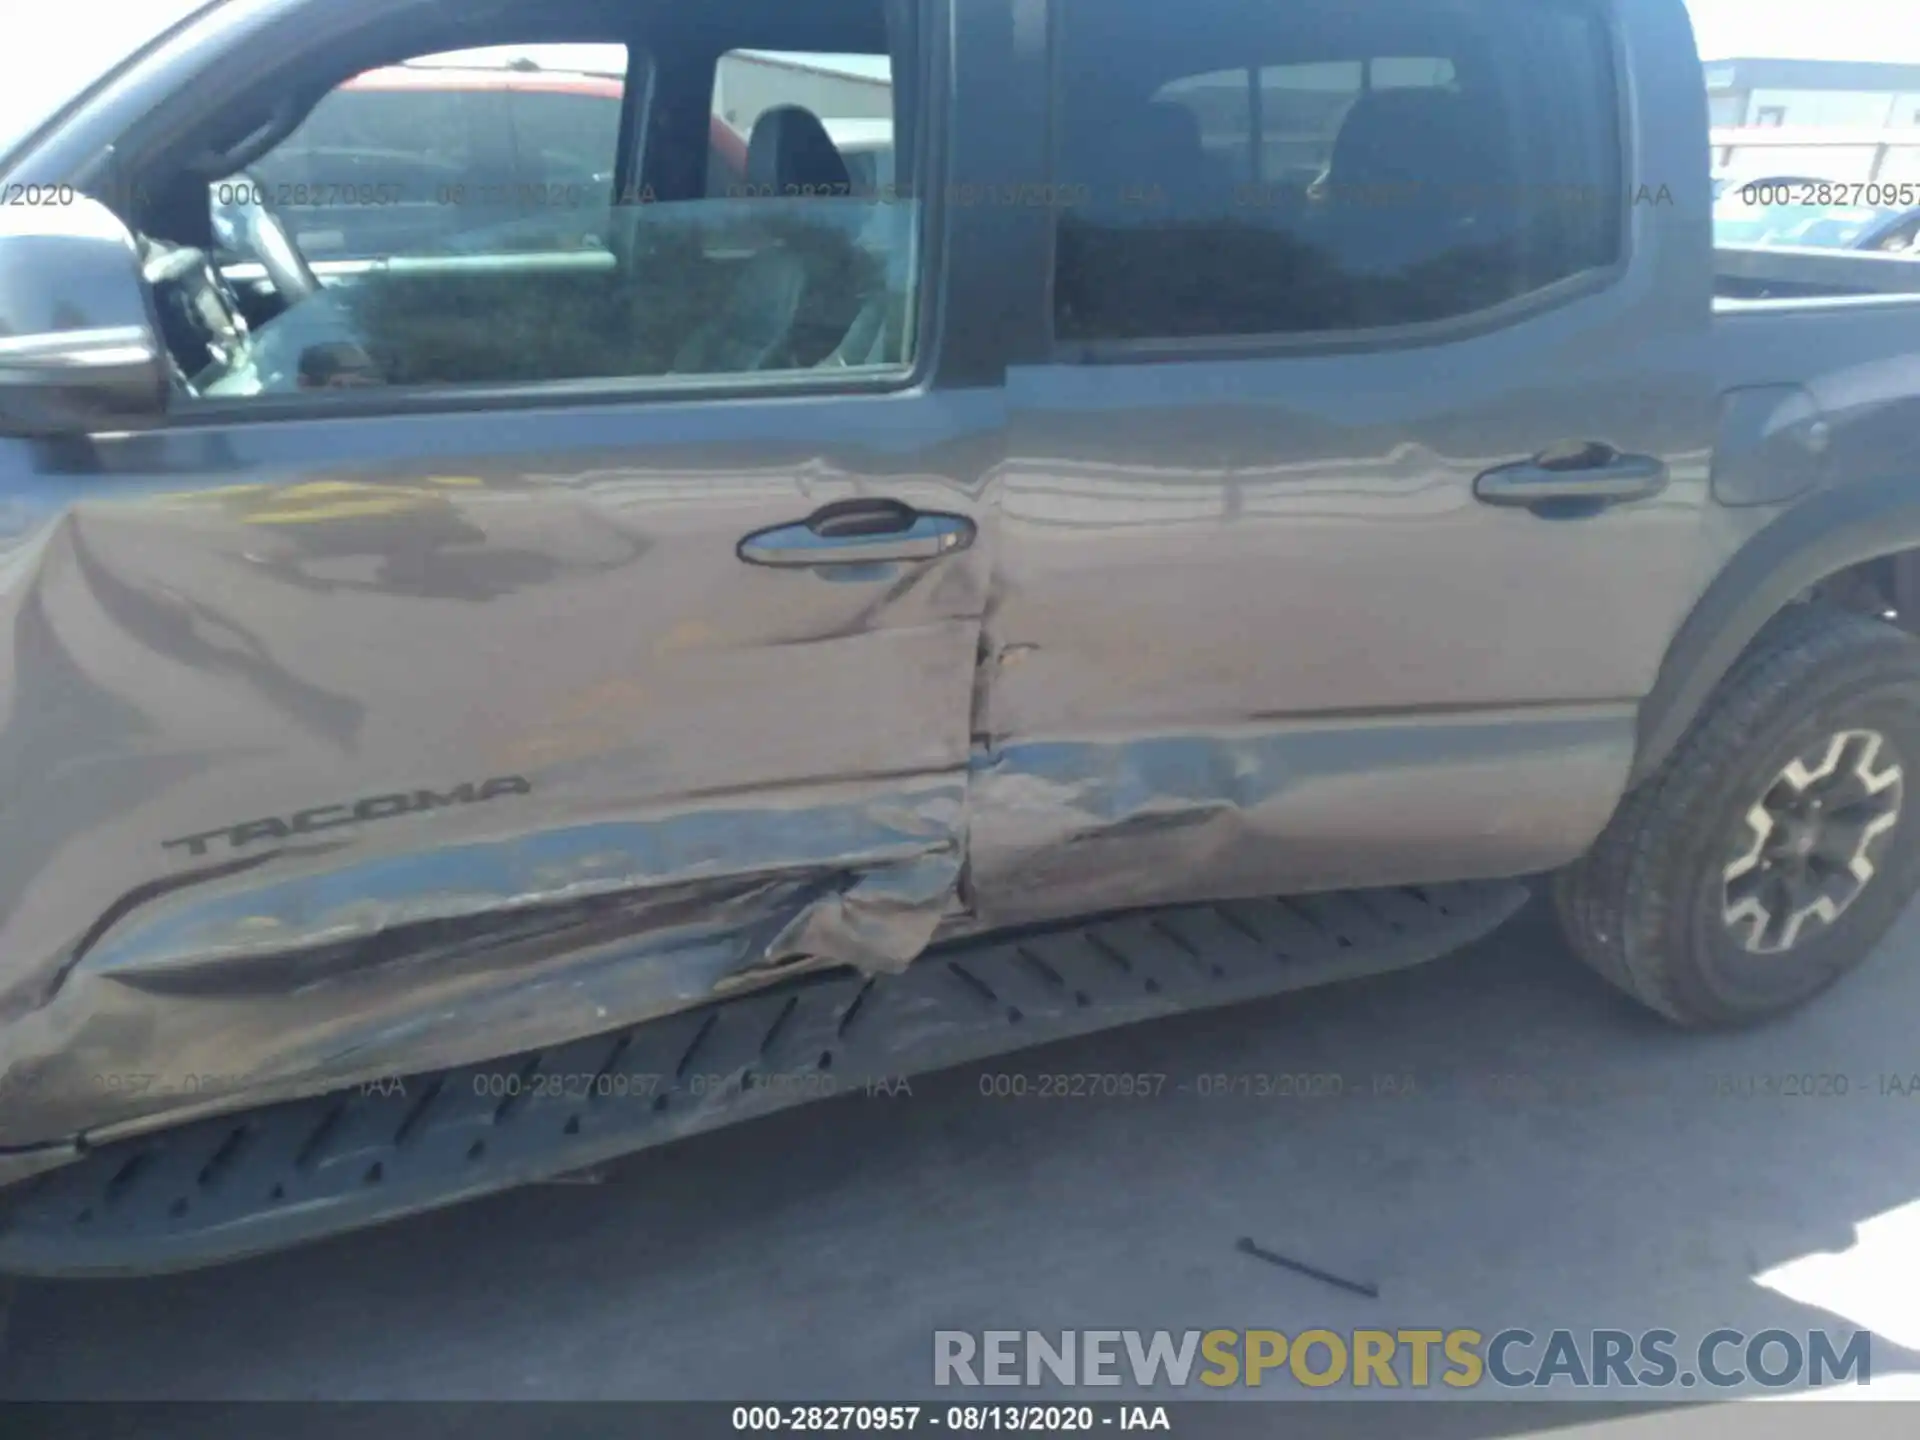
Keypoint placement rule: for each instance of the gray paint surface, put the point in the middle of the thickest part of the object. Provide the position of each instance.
(1232, 624)
(771, 761)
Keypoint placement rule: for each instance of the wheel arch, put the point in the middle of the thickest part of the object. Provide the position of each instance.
(1867, 531)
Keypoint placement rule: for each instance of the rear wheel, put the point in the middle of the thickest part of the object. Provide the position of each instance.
(1778, 844)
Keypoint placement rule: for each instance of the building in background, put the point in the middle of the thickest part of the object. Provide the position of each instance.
(852, 95)
(1841, 120)
(1855, 93)
(834, 87)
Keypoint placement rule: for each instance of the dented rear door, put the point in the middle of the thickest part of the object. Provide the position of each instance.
(1276, 618)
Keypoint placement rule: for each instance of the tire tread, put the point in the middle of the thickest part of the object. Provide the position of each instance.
(1612, 903)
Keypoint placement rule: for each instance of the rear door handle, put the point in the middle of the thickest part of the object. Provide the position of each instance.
(1588, 475)
(860, 532)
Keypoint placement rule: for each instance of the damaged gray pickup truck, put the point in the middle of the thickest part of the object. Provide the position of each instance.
(1255, 482)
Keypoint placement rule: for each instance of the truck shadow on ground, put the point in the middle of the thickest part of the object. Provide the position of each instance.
(1507, 1144)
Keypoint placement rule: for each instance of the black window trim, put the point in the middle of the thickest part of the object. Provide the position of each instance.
(1507, 314)
(930, 257)
(374, 403)
(636, 126)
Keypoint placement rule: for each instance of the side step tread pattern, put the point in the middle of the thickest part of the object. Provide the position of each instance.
(229, 1186)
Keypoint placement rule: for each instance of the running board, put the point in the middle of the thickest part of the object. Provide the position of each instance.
(236, 1185)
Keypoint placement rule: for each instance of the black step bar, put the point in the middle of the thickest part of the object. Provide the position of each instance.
(236, 1185)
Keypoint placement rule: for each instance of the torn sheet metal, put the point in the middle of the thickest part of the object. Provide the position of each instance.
(262, 988)
(1081, 827)
(305, 784)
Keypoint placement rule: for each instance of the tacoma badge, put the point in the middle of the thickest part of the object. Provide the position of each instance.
(359, 812)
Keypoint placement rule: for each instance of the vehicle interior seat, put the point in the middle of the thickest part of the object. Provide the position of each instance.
(790, 298)
(1141, 177)
(868, 339)
(1170, 150)
(1433, 160)
(878, 333)
(1145, 165)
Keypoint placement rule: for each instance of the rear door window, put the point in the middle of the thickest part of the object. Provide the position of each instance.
(1279, 122)
(1311, 167)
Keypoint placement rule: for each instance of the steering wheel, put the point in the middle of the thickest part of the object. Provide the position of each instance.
(248, 224)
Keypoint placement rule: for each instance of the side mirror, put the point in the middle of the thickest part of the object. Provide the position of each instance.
(78, 349)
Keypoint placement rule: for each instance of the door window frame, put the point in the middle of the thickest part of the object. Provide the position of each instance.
(1416, 335)
(191, 93)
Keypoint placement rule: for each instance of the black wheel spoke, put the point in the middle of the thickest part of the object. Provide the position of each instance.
(1750, 886)
(1782, 903)
(1839, 842)
(1822, 868)
(1847, 793)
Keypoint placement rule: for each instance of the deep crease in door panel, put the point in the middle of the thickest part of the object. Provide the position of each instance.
(140, 628)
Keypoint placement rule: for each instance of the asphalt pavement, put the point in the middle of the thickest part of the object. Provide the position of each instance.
(1507, 1143)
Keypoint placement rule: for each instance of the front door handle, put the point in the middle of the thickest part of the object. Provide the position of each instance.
(860, 532)
(1576, 477)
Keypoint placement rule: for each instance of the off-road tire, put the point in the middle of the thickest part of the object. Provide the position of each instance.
(1644, 907)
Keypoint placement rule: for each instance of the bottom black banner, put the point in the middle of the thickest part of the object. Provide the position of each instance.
(1185, 1420)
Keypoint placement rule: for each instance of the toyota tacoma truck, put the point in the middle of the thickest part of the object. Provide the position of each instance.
(1259, 488)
